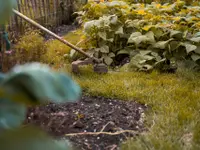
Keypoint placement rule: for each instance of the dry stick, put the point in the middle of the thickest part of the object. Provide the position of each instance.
(113, 147)
(105, 126)
(54, 35)
(81, 41)
(98, 133)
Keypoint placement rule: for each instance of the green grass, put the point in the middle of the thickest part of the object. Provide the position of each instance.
(173, 119)
(174, 102)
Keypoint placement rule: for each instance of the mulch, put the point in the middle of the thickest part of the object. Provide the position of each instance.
(93, 123)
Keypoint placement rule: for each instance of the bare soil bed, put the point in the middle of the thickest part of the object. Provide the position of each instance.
(93, 123)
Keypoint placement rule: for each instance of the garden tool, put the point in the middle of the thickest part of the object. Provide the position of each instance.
(98, 65)
(3, 40)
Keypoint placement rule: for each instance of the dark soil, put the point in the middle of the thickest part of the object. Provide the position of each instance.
(61, 31)
(90, 114)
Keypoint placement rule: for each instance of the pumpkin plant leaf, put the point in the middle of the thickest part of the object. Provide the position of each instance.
(108, 60)
(104, 49)
(195, 57)
(176, 34)
(190, 47)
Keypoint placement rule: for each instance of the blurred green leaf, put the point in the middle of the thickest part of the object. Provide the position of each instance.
(39, 84)
(12, 114)
(6, 10)
(30, 138)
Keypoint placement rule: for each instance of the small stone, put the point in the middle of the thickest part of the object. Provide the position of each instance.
(78, 124)
(97, 105)
(95, 123)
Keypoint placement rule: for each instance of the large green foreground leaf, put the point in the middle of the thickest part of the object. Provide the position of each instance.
(30, 139)
(39, 83)
(6, 10)
(12, 114)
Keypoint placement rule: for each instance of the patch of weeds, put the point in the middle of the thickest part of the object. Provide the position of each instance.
(30, 47)
(58, 53)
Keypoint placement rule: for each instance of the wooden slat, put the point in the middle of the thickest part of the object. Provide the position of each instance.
(43, 11)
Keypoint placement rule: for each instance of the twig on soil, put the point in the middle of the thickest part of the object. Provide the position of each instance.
(105, 126)
(113, 147)
(98, 133)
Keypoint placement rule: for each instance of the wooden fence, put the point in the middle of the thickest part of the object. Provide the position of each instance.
(49, 13)
(162, 1)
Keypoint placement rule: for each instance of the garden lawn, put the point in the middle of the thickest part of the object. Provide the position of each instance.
(173, 119)
(173, 100)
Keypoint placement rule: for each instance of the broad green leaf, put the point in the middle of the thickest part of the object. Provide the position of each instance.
(30, 138)
(108, 60)
(187, 64)
(190, 47)
(12, 114)
(161, 44)
(116, 3)
(158, 32)
(195, 57)
(137, 40)
(135, 34)
(140, 57)
(176, 34)
(158, 58)
(174, 45)
(104, 49)
(102, 35)
(154, 54)
(148, 57)
(123, 51)
(89, 25)
(110, 39)
(119, 30)
(111, 55)
(150, 36)
(143, 52)
(39, 83)
(195, 39)
(72, 53)
(197, 34)
(197, 50)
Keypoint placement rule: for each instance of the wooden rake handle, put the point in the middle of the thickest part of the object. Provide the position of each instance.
(54, 35)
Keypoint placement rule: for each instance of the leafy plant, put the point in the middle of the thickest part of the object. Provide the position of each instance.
(153, 36)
